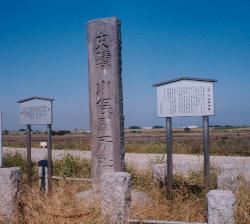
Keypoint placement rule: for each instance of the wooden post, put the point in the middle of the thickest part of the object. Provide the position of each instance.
(49, 146)
(169, 156)
(29, 165)
(206, 151)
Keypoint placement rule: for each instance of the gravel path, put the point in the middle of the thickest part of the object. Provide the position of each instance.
(182, 162)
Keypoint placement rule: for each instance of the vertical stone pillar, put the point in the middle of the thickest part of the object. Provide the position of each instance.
(105, 97)
(116, 197)
(221, 206)
(10, 181)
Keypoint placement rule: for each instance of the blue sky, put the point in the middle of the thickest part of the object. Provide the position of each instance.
(43, 52)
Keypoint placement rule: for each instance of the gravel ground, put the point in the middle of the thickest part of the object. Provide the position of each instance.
(183, 163)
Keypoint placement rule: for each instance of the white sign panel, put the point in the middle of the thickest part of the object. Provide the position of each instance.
(185, 98)
(36, 111)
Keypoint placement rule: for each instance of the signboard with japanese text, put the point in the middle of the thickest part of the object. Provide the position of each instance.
(185, 98)
(36, 111)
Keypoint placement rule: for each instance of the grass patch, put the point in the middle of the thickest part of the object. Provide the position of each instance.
(188, 204)
(226, 147)
(60, 207)
(68, 167)
(16, 160)
(72, 167)
(242, 215)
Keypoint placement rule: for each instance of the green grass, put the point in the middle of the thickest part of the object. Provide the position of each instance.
(68, 167)
(72, 167)
(16, 160)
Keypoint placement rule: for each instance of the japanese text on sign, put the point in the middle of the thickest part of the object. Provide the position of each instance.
(185, 98)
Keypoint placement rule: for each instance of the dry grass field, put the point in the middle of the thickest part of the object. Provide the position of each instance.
(223, 141)
(188, 204)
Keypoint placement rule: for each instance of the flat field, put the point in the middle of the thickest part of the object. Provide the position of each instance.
(223, 141)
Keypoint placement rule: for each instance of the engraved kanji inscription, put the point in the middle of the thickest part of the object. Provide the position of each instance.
(103, 56)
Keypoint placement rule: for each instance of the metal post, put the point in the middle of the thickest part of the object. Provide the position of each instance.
(206, 151)
(49, 146)
(169, 154)
(28, 143)
(1, 149)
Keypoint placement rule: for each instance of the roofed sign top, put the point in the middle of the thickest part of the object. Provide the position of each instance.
(185, 96)
(36, 110)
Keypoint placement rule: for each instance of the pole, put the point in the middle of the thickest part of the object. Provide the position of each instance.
(49, 159)
(206, 151)
(169, 154)
(1, 149)
(29, 154)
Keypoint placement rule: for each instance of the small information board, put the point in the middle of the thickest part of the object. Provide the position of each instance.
(36, 110)
(185, 97)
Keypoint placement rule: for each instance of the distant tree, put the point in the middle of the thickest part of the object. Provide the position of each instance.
(5, 132)
(187, 129)
(157, 126)
(134, 127)
(21, 129)
(60, 133)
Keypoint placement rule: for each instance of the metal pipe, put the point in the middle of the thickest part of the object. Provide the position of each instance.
(169, 153)
(49, 147)
(206, 151)
(72, 178)
(28, 143)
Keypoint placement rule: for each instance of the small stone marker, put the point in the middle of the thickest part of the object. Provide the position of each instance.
(116, 196)
(221, 206)
(105, 96)
(10, 181)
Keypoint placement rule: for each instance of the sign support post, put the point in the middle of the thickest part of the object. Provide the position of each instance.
(169, 154)
(49, 146)
(206, 151)
(1, 148)
(29, 154)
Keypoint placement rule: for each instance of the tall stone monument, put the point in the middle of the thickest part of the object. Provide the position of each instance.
(105, 97)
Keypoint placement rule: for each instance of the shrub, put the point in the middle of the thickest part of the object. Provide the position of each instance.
(157, 126)
(72, 166)
(134, 127)
(16, 160)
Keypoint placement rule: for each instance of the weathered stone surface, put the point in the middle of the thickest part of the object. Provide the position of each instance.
(116, 196)
(179, 167)
(231, 178)
(105, 97)
(9, 194)
(139, 198)
(221, 205)
(187, 167)
(160, 173)
(229, 181)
